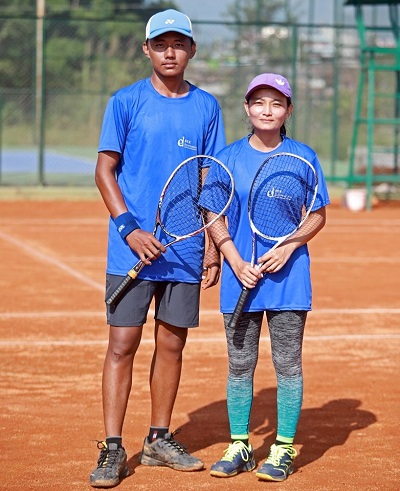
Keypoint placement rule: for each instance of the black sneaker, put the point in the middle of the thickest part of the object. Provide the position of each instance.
(111, 466)
(168, 452)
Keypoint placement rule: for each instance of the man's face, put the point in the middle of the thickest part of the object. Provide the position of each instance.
(170, 53)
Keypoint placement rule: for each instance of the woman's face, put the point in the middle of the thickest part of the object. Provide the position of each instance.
(267, 109)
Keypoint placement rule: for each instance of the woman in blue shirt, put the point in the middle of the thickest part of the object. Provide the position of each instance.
(281, 287)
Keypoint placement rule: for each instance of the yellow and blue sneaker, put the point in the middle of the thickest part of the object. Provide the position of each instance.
(279, 464)
(237, 458)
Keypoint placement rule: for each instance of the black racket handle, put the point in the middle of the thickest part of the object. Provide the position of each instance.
(117, 294)
(239, 308)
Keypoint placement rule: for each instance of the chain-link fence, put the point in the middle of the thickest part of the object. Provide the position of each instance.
(57, 74)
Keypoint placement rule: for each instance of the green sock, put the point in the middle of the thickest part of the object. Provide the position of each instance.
(282, 440)
(240, 438)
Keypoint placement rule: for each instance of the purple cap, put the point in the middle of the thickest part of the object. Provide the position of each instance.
(166, 21)
(269, 80)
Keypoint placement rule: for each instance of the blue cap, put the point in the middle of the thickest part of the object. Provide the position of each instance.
(167, 21)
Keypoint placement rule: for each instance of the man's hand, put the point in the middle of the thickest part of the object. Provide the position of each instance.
(145, 245)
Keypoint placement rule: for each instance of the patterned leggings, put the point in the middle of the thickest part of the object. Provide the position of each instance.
(286, 330)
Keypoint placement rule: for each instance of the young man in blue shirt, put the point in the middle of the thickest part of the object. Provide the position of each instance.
(148, 129)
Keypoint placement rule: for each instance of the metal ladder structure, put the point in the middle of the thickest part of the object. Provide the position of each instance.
(376, 58)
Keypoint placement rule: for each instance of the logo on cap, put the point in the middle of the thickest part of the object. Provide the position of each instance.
(168, 20)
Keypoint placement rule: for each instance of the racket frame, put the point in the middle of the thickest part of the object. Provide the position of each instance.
(278, 240)
(132, 274)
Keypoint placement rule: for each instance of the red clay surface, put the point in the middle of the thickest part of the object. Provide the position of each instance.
(53, 339)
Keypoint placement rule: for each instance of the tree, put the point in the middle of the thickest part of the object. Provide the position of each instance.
(262, 28)
(90, 48)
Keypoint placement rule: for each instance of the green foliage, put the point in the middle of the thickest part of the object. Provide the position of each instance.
(94, 47)
(260, 12)
(17, 52)
(263, 29)
(19, 8)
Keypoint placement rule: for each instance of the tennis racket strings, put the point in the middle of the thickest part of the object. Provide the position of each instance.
(179, 212)
(282, 194)
(281, 197)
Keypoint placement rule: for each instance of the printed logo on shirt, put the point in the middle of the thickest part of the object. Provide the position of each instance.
(185, 143)
(277, 193)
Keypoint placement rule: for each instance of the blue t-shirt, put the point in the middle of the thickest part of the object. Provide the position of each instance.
(289, 288)
(154, 134)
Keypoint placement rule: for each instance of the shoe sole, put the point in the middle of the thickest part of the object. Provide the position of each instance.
(223, 474)
(267, 477)
(146, 460)
(111, 483)
(248, 468)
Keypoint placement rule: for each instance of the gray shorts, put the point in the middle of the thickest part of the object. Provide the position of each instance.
(176, 304)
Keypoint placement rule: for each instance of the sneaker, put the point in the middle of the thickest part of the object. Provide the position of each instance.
(111, 466)
(237, 458)
(279, 464)
(168, 452)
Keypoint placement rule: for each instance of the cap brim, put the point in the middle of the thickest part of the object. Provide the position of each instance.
(264, 86)
(159, 32)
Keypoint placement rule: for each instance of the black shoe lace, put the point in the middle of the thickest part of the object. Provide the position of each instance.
(107, 457)
(169, 438)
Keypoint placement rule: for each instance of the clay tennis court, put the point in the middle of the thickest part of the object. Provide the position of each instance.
(53, 340)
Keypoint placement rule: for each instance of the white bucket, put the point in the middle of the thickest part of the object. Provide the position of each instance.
(355, 199)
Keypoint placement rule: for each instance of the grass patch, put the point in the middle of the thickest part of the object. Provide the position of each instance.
(48, 193)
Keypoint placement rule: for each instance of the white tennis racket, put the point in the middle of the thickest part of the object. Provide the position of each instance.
(179, 213)
(281, 197)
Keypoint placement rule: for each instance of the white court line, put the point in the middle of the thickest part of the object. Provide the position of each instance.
(337, 222)
(41, 256)
(45, 257)
(203, 312)
(355, 260)
(194, 340)
(39, 223)
(357, 221)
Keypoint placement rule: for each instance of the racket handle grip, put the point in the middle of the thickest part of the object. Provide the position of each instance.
(239, 308)
(117, 294)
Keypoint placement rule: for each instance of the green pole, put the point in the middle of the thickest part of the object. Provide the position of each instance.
(360, 91)
(336, 64)
(1, 136)
(370, 131)
(294, 75)
(40, 13)
(308, 112)
(394, 21)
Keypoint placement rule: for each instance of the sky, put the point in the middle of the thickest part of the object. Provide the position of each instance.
(214, 9)
(314, 11)
(203, 9)
(306, 11)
